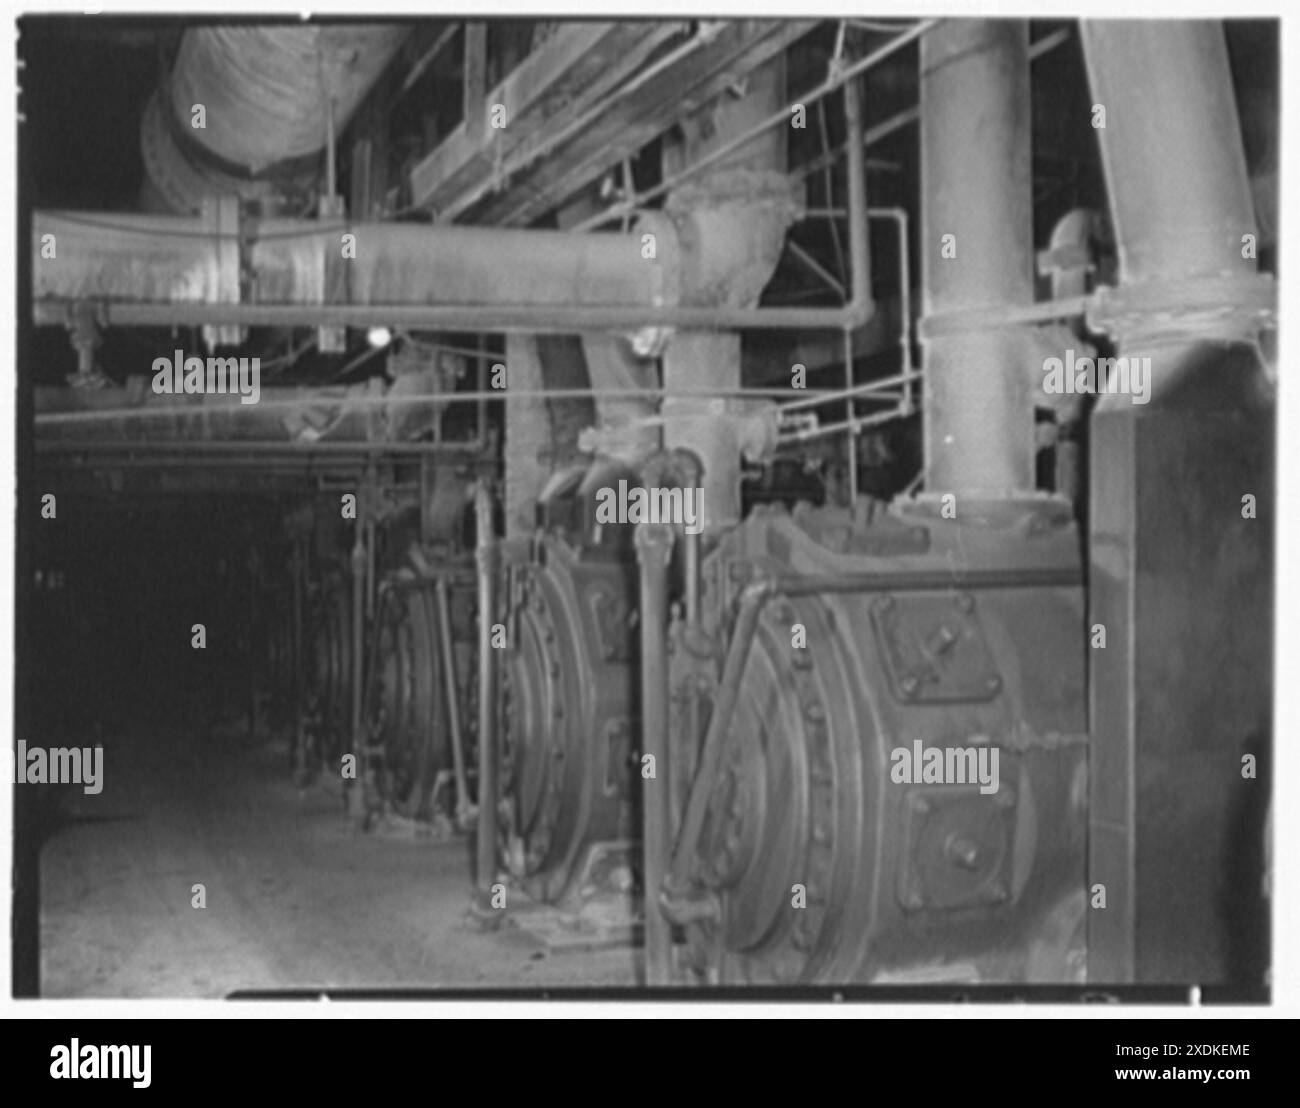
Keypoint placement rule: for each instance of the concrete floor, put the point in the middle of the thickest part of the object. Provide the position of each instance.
(296, 898)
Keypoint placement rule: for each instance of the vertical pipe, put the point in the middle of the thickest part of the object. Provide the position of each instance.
(453, 701)
(480, 441)
(252, 644)
(859, 233)
(977, 252)
(295, 569)
(849, 413)
(357, 797)
(691, 556)
(654, 546)
(905, 307)
(370, 566)
(487, 696)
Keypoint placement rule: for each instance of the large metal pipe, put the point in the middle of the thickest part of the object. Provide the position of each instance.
(1180, 195)
(269, 95)
(447, 648)
(360, 742)
(179, 287)
(487, 556)
(416, 276)
(654, 547)
(1180, 203)
(977, 236)
(298, 262)
(278, 418)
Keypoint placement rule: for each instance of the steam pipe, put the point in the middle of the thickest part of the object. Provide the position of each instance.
(153, 268)
(681, 468)
(654, 546)
(1180, 206)
(504, 280)
(463, 806)
(359, 560)
(977, 227)
(486, 855)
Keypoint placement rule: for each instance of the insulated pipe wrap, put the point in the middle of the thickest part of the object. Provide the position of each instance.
(265, 93)
(264, 88)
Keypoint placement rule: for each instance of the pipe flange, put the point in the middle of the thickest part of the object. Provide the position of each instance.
(1226, 308)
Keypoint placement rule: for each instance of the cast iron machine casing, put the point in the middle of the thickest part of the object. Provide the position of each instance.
(917, 628)
(569, 723)
(407, 738)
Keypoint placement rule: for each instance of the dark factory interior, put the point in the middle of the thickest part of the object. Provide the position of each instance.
(543, 505)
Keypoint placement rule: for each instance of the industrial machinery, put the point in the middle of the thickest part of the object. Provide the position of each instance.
(569, 723)
(827, 644)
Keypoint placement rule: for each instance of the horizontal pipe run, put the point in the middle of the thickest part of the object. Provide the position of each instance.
(487, 560)
(654, 546)
(503, 319)
(852, 426)
(929, 580)
(297, 262)
(341, 468)
(809, 398)
(285, 449)
(527, 318)
(490, 259)
(863, 390)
